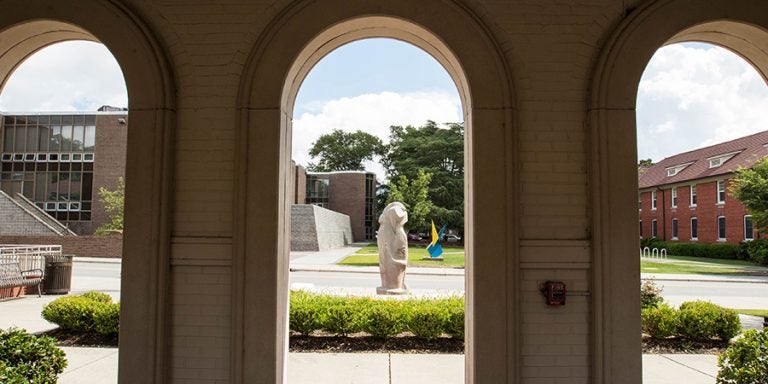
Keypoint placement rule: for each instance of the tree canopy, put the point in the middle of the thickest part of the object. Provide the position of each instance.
(750, 186)
(113, 201)
(344, 151)
(435, 151)
(414, 195)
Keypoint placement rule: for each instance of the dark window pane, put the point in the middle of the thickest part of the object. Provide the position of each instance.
(694, 228)
(721, 227)
(87, 186)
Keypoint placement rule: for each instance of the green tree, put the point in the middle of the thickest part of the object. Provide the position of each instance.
(113, 201)
(344, 151)
(645, 162)
(750, 186)
(436, 151)
(414, 194)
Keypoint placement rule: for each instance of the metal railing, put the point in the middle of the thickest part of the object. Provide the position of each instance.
(29, 256)
(654, 253)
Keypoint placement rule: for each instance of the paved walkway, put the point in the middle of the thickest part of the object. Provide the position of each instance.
(99, 365)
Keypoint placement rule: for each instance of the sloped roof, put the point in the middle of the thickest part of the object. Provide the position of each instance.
(750, 149)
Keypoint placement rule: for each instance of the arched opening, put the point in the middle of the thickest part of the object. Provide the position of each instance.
(26, 28)
(373, 88)
(737, 26)
(267, 101)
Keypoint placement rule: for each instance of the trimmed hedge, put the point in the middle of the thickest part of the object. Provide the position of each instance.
(26, 358)
(424, 318)
(695, 320)
(713, 251)
(91, 312)
(755, 250)
(744, 362)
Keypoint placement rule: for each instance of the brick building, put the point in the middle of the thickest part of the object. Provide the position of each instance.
(685, 197)
(352, 193)
(59, 161)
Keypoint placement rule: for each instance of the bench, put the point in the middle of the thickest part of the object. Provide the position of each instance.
(12, 276)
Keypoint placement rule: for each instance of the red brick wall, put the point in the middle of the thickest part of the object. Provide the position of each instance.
(87, 246)
(346, 195)
(706, 211)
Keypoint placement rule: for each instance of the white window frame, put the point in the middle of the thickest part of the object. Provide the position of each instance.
(716, 161)
(752, 235)
(653, 200)
(693, 195)
(675, 229)
(674, 197)
(694, 238)
(720, 185)
(7, 157)
(725, 226)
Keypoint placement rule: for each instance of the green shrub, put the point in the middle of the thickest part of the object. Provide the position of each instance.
(702, 320)
(385, 318)
(659, 322)
(427, 319)
(745, 362)
(305, 315)
(756, 250)
(714, 251)
(344, 316)
(650, 294)
(97, 296)
(87, 313)
(26, 358)
(454, 322)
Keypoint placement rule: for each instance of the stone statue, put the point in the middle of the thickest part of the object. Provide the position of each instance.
(393, 250)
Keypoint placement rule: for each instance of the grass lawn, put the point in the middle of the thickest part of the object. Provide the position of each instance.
(753, 312)
(701, 265)
(369, 257)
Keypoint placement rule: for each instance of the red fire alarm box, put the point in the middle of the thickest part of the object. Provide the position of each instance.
(554, 292)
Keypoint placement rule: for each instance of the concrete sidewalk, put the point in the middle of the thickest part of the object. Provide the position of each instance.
(99, 366)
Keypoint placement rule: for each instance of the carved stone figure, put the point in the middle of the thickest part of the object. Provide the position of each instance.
(393, 250)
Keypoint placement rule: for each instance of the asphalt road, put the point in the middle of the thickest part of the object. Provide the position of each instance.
(105, 276)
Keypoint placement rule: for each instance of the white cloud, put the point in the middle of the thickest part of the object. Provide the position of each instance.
(373, 113)
(697, 95)
(69, 76)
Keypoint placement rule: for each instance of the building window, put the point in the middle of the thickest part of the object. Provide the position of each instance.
(693, 195)
(694, 228)
(674, 229)
(749, 229)
(641, 229)
(654, 229)
(721, 228)
(640, 201)
(674, 197)
(653, 199)
(721, 191)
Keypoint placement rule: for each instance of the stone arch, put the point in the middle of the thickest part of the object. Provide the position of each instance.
(740, 26)
(26, 27)
(294, 42)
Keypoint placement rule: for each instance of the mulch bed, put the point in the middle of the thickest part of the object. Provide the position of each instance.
(679, 345)
(75, 339)
(351, 344)
(402, 344)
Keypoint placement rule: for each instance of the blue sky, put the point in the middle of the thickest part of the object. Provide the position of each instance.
(691, 95)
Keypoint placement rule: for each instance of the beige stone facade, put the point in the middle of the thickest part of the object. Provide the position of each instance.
(548, 89)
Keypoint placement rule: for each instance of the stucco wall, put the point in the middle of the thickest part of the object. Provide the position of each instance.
(549, 90)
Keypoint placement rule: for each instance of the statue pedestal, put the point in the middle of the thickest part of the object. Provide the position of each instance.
(394, 291)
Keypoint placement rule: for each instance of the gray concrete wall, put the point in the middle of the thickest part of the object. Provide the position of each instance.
(15, 220)
(318, 229)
